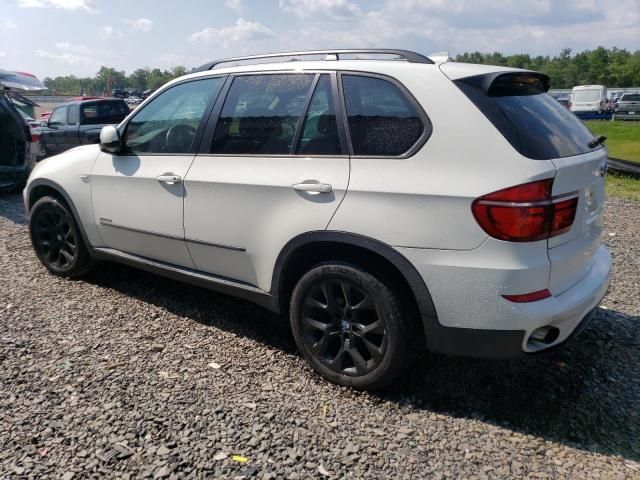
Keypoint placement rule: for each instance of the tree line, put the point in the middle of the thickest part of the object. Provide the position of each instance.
(613, 67)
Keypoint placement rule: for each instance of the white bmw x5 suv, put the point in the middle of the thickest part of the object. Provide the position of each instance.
(384, 204)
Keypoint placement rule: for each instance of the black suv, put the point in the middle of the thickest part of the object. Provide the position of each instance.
(78, 123)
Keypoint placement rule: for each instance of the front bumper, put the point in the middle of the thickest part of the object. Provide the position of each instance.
(474, 320)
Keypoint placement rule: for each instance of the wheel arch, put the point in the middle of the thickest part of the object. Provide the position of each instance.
(42, 187)
(308, 249)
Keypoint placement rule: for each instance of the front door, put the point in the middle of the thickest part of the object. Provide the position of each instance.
(138, 195)
(55, 134)
(272, 173)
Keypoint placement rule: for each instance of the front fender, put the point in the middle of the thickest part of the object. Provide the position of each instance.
(68, 174)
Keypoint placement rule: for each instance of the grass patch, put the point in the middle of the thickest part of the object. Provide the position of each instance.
(621, 186)
(623, 137)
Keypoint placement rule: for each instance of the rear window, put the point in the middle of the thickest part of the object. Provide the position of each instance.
(535, 124)
(583, 96)
(630, 97)
(104, 112)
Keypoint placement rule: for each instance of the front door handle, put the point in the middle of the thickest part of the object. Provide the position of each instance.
(169, 178)
(313, 187)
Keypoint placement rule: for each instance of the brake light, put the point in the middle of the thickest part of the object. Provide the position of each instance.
(525, 213)
(35, 137)
(528, 297)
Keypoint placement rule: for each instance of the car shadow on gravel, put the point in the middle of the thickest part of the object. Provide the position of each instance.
(585, 396)
(13, 210)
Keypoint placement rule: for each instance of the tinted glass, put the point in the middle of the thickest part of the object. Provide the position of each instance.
(103, 112)
(260, 114)
(59, 116)
(580, 96)
(533, 122)
(168, 124)
(630, 97)
(73, 116)
(382, 120)
(320, 129)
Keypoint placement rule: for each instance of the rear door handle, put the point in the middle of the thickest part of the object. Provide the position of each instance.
(313, 187)
(169, 178)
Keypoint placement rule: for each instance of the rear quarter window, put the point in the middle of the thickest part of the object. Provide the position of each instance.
(382, 120)
(536, 125)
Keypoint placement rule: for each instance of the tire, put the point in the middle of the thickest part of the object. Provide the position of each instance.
(362, 342)
(56, 239)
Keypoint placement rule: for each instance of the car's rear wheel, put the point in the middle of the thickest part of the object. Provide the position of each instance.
(56, 238)
(350, 326)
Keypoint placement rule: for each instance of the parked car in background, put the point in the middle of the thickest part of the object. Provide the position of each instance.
(589, 98)
(628, 107)
(119, 93)
(78, 123)
(358, 212)
(564, 101)
(16, 149)
(147, 93)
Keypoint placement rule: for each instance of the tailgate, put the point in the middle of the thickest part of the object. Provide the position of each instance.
(571, 253)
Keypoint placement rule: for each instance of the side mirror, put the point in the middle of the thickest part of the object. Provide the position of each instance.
(44, 123)
(110, 141)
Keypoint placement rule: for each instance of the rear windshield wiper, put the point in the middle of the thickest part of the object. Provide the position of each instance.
(597, 141)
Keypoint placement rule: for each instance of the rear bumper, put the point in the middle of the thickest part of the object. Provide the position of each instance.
(486, 325)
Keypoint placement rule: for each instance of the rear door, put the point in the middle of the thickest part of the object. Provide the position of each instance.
(266, 173)
(539, 128)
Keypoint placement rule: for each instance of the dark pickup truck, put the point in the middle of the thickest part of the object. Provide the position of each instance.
(79, 123)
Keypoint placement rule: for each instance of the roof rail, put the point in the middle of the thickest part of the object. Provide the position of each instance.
(409, 56)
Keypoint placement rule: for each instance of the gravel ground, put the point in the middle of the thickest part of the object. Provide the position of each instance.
(129, 375)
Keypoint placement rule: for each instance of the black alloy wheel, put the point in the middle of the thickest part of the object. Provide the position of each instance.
(56, 238)
(343, 327)
(350, 326)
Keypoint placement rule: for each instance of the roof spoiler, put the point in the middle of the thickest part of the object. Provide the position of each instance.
(440, 57)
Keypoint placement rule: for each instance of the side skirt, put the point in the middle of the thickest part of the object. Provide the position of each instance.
(226, 286)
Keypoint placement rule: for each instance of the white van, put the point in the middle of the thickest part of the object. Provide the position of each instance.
(589, 98)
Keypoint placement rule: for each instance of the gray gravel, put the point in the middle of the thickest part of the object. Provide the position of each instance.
(129, 375)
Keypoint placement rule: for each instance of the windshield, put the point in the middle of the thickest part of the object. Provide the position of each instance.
(580, 96)
(534, 123)
(630, 97)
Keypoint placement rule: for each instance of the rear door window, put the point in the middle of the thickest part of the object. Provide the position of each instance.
(320, 128)
(260, 114)
(382, 120)
(535, 124)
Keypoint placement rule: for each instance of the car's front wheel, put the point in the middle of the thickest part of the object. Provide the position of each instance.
(56, 238)
(350, 326)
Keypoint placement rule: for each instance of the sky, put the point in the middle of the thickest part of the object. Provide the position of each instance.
(76, 37)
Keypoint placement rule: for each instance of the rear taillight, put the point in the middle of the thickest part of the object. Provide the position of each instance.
(35, 137)
(525, 213)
